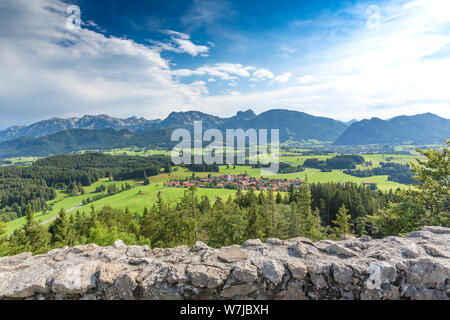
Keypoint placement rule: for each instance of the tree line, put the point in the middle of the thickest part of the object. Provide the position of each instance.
(221, 222)
(341, 161)
(396, 172)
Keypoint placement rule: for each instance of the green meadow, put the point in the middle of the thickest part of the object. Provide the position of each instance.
(135, 199)
(140, 196)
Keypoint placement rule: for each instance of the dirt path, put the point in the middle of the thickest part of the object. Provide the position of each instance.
(56, 217)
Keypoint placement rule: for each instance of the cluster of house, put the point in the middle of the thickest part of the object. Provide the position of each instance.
(237, 182)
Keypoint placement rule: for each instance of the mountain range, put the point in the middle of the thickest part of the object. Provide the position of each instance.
(58, 135)
(424, 128)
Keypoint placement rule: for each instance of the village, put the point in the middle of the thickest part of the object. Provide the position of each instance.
(236, 182)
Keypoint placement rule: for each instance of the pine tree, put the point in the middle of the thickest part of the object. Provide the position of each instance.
(342, 224)
(310, 226)
(224, 225)
(254, 228)
(279, 198)
(205, 204)
(194, 209)
(360, 226)
(261, 199)
(36, 236)
(271, 215)
(294, 222)
(59, 230)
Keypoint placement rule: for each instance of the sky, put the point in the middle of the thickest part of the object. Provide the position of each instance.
(340, 59)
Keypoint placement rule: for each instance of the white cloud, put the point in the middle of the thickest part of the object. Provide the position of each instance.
(189, 47)
(261, 74)
(180, 43)
(48, 70)
(283, 78)
(224, 71)
(179, 35)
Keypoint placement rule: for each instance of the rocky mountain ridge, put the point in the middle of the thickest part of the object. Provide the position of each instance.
(414, 267)
(293, 126)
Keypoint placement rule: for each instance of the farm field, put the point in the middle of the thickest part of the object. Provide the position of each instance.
(138, 152)
(377, 158)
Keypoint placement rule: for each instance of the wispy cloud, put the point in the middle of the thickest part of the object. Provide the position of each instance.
(224, 71)
(180, 43)
(283, 78)
(206, 12)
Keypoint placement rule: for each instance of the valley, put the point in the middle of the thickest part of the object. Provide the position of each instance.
(141, 196)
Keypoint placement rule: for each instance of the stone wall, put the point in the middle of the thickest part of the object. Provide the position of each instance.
(415, 267)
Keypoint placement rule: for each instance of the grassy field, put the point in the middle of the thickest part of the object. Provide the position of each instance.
(138, 198)
(135, 199)
(20, 161)
(62, 201)
(141, 196)
(315, 175)
(377, 158)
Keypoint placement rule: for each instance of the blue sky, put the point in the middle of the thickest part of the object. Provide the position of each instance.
(341, 59)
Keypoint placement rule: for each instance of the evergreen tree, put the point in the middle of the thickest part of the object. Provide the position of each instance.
(428, 205)
(433, 177)
(342, 224)
(59, 230)
(224, 225)
(293, 221)
(36, 237)
(254, 228)
(279, 198)
(310, 226)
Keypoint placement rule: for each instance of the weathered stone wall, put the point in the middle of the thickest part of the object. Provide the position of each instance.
(415, 267)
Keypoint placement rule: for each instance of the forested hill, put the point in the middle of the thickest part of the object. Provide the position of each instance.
(35, 185)
(83, 139)
(419, 129)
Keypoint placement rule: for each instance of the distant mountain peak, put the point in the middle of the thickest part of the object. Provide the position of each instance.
(424, 128)
(244, 115)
